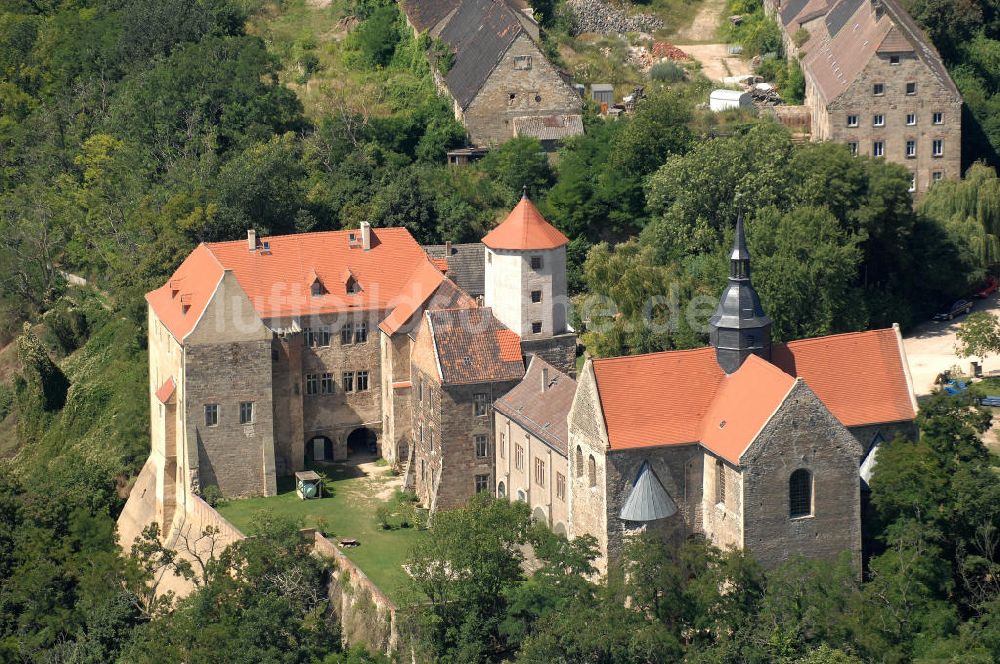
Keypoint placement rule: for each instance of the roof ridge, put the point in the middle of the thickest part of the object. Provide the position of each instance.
(825, 337)
(677, 351)
(306, 234)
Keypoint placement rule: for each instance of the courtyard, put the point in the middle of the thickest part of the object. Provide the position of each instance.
(356, 500)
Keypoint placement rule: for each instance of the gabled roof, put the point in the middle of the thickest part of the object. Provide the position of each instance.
(472, 346)
(743, 403)
(479, 35)
(861, 377)
(525, 229)
(852, 33)
(430, 290)
(465, 264)
(180, 302)
(541, 412)
(278, 281)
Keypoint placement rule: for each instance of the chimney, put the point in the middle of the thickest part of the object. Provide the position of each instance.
(366, 235)
(545, 378)
(447, 249)
(251, 240)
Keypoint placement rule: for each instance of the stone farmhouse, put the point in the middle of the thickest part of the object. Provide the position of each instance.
(500, 83)
(875, 82)
(752, 443)
(269, 352)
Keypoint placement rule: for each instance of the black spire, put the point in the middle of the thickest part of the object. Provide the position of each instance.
(739, 327)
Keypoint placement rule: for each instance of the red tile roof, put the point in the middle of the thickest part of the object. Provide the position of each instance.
(166, 391)
(672, 397)
(472, 346)
(392, 274)
(525, 229)
(742, 406)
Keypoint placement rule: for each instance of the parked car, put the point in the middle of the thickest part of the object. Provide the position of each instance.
(987, 289)
(956, 309)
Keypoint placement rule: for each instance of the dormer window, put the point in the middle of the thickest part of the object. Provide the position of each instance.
(353, 287)
(317, 288)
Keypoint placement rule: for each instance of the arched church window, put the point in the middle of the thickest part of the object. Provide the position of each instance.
(800, 493)
(592, 471)
(579, 461)
(501, 490)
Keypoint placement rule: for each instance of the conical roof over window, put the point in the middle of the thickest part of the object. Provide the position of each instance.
(648, 500)
(525, 229)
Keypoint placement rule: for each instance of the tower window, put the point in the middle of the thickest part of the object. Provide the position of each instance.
(800, 493)
(579, 461)
(536, 327)
(536, 262)
(592, 471)
(536, 296)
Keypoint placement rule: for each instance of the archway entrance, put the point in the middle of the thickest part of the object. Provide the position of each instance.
(319, 448)
(362, 443)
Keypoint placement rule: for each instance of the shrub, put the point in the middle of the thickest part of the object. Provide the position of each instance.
(211, 495)
(6, 400)
(800, 37)
(378, 36)
(667, 72)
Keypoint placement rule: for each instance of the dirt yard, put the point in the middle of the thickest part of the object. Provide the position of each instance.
(930, 349)
(696, 40)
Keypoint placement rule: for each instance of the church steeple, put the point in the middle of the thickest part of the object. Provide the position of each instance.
(739, 327)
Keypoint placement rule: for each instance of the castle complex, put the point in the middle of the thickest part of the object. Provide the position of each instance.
(271, 353)
(875, 82)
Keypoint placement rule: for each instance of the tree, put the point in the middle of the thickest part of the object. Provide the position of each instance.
(978, 335)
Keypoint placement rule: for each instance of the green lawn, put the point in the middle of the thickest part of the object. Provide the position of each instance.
(346, 511)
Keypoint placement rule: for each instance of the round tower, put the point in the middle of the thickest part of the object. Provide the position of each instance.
(526, 273)
(739, 327)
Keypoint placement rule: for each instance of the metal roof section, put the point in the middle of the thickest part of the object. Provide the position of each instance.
(648, 501)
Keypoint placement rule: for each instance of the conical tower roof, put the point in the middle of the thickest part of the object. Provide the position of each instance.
(525, 229)
(648, 500)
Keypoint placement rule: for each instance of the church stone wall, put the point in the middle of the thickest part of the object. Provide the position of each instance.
(723, 521)
(802, 434)
(587, 437)
(678, 467)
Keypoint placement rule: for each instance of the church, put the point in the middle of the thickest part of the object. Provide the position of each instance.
(752, 443)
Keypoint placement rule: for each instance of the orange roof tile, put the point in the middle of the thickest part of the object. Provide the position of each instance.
(425, 280)
(525, 229)
(860, 377)
(402, 384)
(510, 345)
(166, 391)
(440, 263)
(199, 275)
(743, 403)
(393, 272)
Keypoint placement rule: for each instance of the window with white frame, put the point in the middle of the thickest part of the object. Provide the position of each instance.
(482, 445)
(518, 456)
(539, 471)
(937, 147)
(911, 149)
(913, 183)
(853, 146)
(936, 176)
(878, 120)
(480, 404)
(911, 87)
(937, 118)
(911, 119)
(878, 149)
(852, 120)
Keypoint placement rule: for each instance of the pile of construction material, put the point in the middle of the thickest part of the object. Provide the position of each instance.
(665, 51)
(597, 16)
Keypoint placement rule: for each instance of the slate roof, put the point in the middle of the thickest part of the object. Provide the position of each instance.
(542, 413)
(861, 377)
(479, 35)
(472, 346)
(425, 14)
(465, 265)
(549, 127)
(648, 500)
